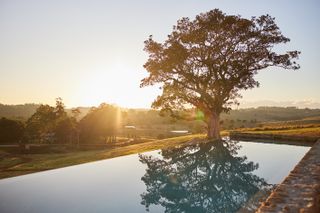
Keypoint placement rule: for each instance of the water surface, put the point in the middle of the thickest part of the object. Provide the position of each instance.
(208, 177)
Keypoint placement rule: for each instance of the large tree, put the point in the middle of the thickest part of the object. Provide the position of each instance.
(205, 62)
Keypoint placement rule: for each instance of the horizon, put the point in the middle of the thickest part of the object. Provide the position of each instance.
(245, 105)
(93, 53)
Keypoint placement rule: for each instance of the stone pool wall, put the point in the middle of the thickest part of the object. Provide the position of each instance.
(300, 191)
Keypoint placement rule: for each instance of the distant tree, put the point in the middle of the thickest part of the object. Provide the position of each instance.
(75, 113)
(64, 130)
(11, 131)
(51, 124)
(207, 61)
(60, 108)
(100, 122)
(40, 123)
(64, 125)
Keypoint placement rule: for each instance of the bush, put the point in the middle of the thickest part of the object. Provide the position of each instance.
(11, 131)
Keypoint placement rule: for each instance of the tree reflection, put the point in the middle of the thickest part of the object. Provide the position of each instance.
(207, 177)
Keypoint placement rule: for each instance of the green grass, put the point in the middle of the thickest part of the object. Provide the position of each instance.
(309, 127)
(14, 165)
(304, 131)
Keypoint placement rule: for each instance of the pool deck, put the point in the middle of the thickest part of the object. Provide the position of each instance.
(300, 191)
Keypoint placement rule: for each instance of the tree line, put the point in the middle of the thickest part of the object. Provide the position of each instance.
(52, 124)
(48, 124)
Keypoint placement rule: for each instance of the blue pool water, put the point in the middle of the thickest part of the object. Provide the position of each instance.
(208, 177)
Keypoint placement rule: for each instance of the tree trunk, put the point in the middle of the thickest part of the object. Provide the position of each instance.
(214, 126)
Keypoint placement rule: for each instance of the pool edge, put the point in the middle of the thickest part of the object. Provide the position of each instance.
(300, 190)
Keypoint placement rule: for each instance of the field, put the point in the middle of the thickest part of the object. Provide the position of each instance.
(306, 131)
(13, 164)
(20, 164)
(309, 127)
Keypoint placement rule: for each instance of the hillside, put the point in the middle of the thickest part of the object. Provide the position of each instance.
(24, 111)
(150, 118)
(266, 114)
(20, 112)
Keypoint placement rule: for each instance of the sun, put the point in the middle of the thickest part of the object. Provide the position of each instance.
(110, 84)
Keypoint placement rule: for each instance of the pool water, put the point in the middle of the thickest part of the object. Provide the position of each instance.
(207, 177)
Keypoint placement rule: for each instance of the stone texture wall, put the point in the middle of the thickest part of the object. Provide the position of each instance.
(300, 191)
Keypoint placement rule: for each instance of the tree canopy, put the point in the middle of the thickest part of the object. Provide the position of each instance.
(51, 124)
(11, 131)
(205, 62)
(100, 122)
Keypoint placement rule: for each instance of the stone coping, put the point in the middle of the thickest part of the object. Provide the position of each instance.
(300, 191)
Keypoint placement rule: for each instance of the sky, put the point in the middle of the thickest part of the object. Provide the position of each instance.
(91, 51)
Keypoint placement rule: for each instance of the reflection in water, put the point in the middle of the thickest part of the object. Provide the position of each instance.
(207, 177)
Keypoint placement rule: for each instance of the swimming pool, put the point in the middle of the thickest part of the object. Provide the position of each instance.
(207, 177)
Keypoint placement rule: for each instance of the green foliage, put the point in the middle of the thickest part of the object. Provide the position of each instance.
(51, 124)
(64, 130)
(150, 124)
(100, 122)
(207, 61)
(41, 122)
(11, 131)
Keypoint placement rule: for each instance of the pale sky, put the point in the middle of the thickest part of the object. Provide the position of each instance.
(91, 51)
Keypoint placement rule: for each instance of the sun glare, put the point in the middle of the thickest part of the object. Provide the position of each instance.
(105, 84)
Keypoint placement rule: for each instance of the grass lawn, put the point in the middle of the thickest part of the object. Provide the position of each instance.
(307, 131)
(20, 164)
